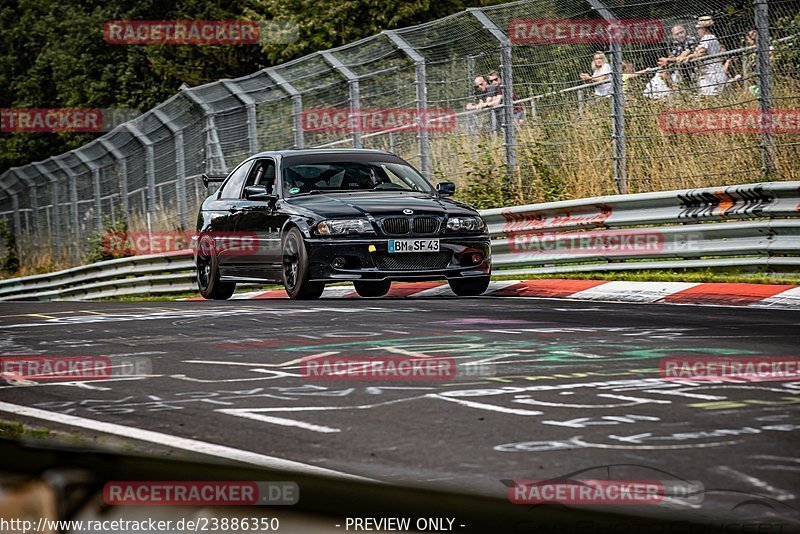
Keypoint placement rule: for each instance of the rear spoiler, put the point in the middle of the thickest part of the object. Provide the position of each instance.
(213, 178)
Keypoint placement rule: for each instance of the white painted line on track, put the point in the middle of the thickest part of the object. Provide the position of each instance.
(176, 442)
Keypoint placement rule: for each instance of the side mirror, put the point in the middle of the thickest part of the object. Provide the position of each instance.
(446, 189)
(259, 193)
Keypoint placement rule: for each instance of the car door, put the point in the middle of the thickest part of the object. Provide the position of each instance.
(226, 206)
(259, 220)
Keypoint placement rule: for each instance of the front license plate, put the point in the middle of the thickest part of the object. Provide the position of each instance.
(413, 245)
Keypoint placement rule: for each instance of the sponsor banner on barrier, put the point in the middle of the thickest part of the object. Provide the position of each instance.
(390, 368)
(377, 120)
(199, 32)
(722, 369)
(550, 31)
(744, 121)
(142, 243)
(209, 493)
(53, 120)
(601, 242)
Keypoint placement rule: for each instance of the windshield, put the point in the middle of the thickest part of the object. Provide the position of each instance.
(352, 176)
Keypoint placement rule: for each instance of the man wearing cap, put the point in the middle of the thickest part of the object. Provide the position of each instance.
(712, 77)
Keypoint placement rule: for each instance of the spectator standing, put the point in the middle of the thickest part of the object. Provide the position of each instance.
(601, 73)
(712, 77)
(681, 46)
(484, 92)
(497, 101)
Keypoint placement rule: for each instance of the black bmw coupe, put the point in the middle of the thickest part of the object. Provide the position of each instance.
(311, 217)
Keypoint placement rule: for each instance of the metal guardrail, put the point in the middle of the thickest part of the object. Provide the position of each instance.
(750, 227)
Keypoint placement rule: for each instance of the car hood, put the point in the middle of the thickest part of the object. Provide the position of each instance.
(377, 204)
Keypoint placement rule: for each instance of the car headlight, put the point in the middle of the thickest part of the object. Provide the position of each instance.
(467, 224)
(344, 226)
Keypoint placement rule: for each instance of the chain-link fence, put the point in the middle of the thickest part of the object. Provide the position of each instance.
(583, 97)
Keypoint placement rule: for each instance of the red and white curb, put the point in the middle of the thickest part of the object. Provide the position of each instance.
(725, 294)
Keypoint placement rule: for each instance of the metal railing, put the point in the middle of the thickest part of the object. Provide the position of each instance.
(569, 145)
(754, 227)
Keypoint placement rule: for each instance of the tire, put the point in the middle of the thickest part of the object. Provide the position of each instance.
(373, 289)
(208, 281)
(470, 287)
(295, 271)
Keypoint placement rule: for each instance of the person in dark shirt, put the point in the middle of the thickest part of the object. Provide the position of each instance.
(681, 46)
(484, 92)
(497, 101)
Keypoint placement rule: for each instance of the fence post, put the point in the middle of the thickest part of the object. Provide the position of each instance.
(297, 104)
(215, 158)
(30, 183)
(509, 128)
(250, 108)
(618, 141)
(98, 205)
(355, 96)
(180, 165)
(73, 200)
(421, 82)
(55, 231)
(15, 208)
(150, 171)
(764, 77)
(122, 162)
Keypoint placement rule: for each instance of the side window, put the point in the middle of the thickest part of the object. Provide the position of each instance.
(263, 173)
(234, 183)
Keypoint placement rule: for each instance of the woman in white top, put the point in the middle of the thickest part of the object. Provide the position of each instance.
(712, 77)
(601, 73)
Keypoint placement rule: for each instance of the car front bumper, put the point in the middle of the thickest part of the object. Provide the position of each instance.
(455, 259)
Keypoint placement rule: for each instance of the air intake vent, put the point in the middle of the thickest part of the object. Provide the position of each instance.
(396, 226)
(426, 225)
(412, 262)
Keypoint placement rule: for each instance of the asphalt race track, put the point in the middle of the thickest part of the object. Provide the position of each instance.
(544, 388)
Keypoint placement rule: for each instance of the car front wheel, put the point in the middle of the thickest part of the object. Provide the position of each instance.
(208, 272)
(296, 270)
(470, 287)
(372, 289)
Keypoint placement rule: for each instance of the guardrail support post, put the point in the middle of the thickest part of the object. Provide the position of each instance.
(764, 77)
(355, 96)
(421, 82)
(297, 105)
(509, 127)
